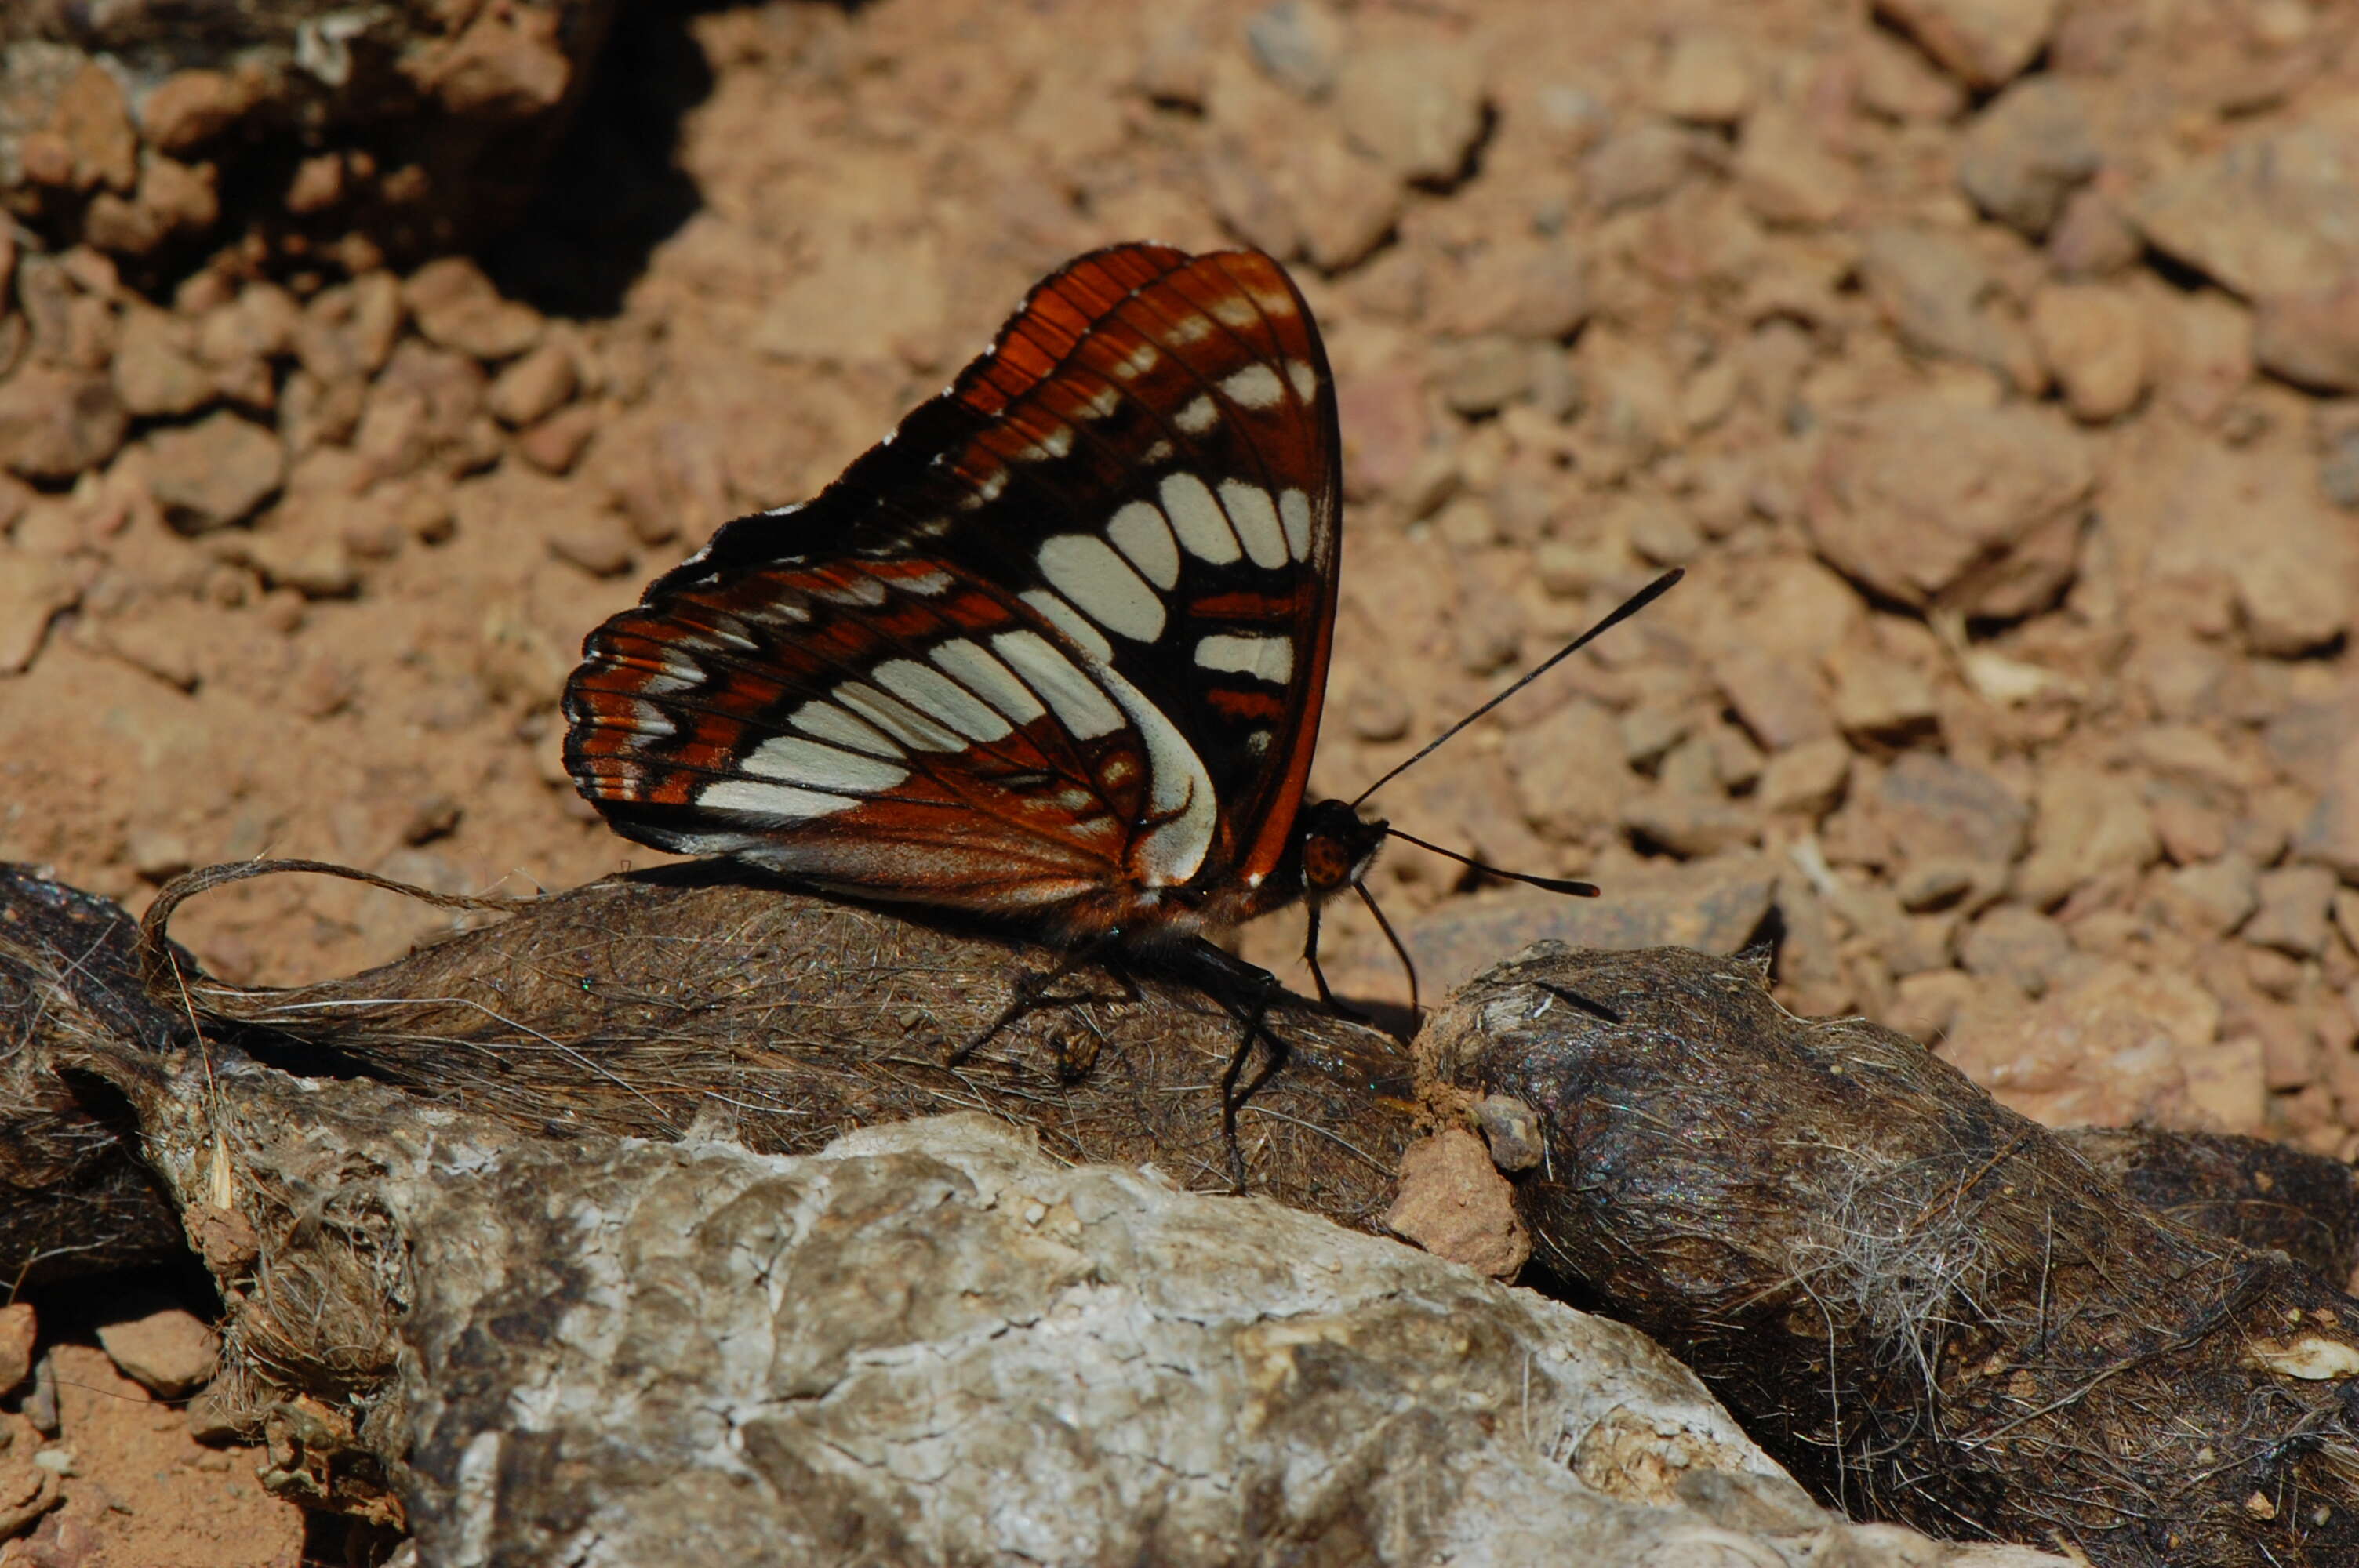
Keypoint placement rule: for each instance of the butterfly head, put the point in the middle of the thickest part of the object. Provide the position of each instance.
(1338, 846)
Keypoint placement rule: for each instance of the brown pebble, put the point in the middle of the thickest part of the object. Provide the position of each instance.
(1456, 1204)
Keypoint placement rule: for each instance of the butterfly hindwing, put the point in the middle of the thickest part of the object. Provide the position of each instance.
(1055, 648)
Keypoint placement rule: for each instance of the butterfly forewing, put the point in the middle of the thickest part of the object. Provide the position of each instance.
(1056, 648)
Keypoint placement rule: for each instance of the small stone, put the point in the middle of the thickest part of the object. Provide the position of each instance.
(1924, 886)
(189, 108)
(1665, 535)
(1532, 289)
(534, 386)
(1985, 43)
(1706, 79)
(95, 122)
(1926, 1003)
(1899, 84)
(1297, 43)
(2093, 237)
(1346, 204)
(2213, 898)
(2088, 822)
(159, 855)
(259, 323)
(167, 1351)
(1456, 1204)
(2293, 910)
(1877, 692)
(1781, 707)
(598, 543)
(1930, 504)
(2025, 152)
(1690, 824)
(456, 306)
(313, 568)
(1419, 110)
(2113, 1048)
(56, 422)
(18, 1332)
(1786, 173)
(1806, 780)
(1939, 296)
(33, 590)
(215, 472)
(2330, 837)
(1484, 375)
(317, 184)
(2311, 338)
(2268, 213)
(2092, 340)
(1641, 164)
(1376, 713)
(2019, 946)
(159, 650)
(555, 444)
(1949, 810)
(1510, 1127)
(154, 368)
(2292, 560)
(2190, 831)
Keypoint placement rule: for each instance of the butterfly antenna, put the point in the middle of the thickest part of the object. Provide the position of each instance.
(1621, 613)
(1400, 949)
(1552, 884)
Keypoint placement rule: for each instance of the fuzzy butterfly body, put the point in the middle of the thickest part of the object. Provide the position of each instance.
(1052, 652)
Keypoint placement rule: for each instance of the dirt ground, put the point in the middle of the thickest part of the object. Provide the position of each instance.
(1989, 365)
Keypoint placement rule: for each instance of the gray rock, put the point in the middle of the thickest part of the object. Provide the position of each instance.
(1417, 110)
(2024, 154)
(1298, 44)
(214, 472)
(739, 1362)
(1984, 43)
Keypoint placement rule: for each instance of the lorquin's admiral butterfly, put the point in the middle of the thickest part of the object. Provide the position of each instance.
(1052, 652)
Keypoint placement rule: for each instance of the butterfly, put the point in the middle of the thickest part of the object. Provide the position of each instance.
(1052, 653)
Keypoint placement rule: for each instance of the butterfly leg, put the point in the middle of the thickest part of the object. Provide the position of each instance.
(1032, 986)
(1234, 1094)
(1319, 976)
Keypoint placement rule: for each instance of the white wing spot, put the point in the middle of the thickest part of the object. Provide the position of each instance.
(1187, 330)
(1079, 704)
(1305, 379)
(1198, 416)
(985, 491)
(927, 688)
(815, 766)
(1137, 363)
(1140, 532)
(861, 591)
(926, 583)
(646, 718)
(1099, 404)
(771, 799)
(1057, 443)
(897, 719)
(990, 679)
(1256, 522)
(1235, 310)
(1275, 301)
(1256, 386)
(837, 727)
(1058, 612)
(1294, 513)
(1085, 569)
(1155, 453)
(1262, 657)
(1197, 518)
